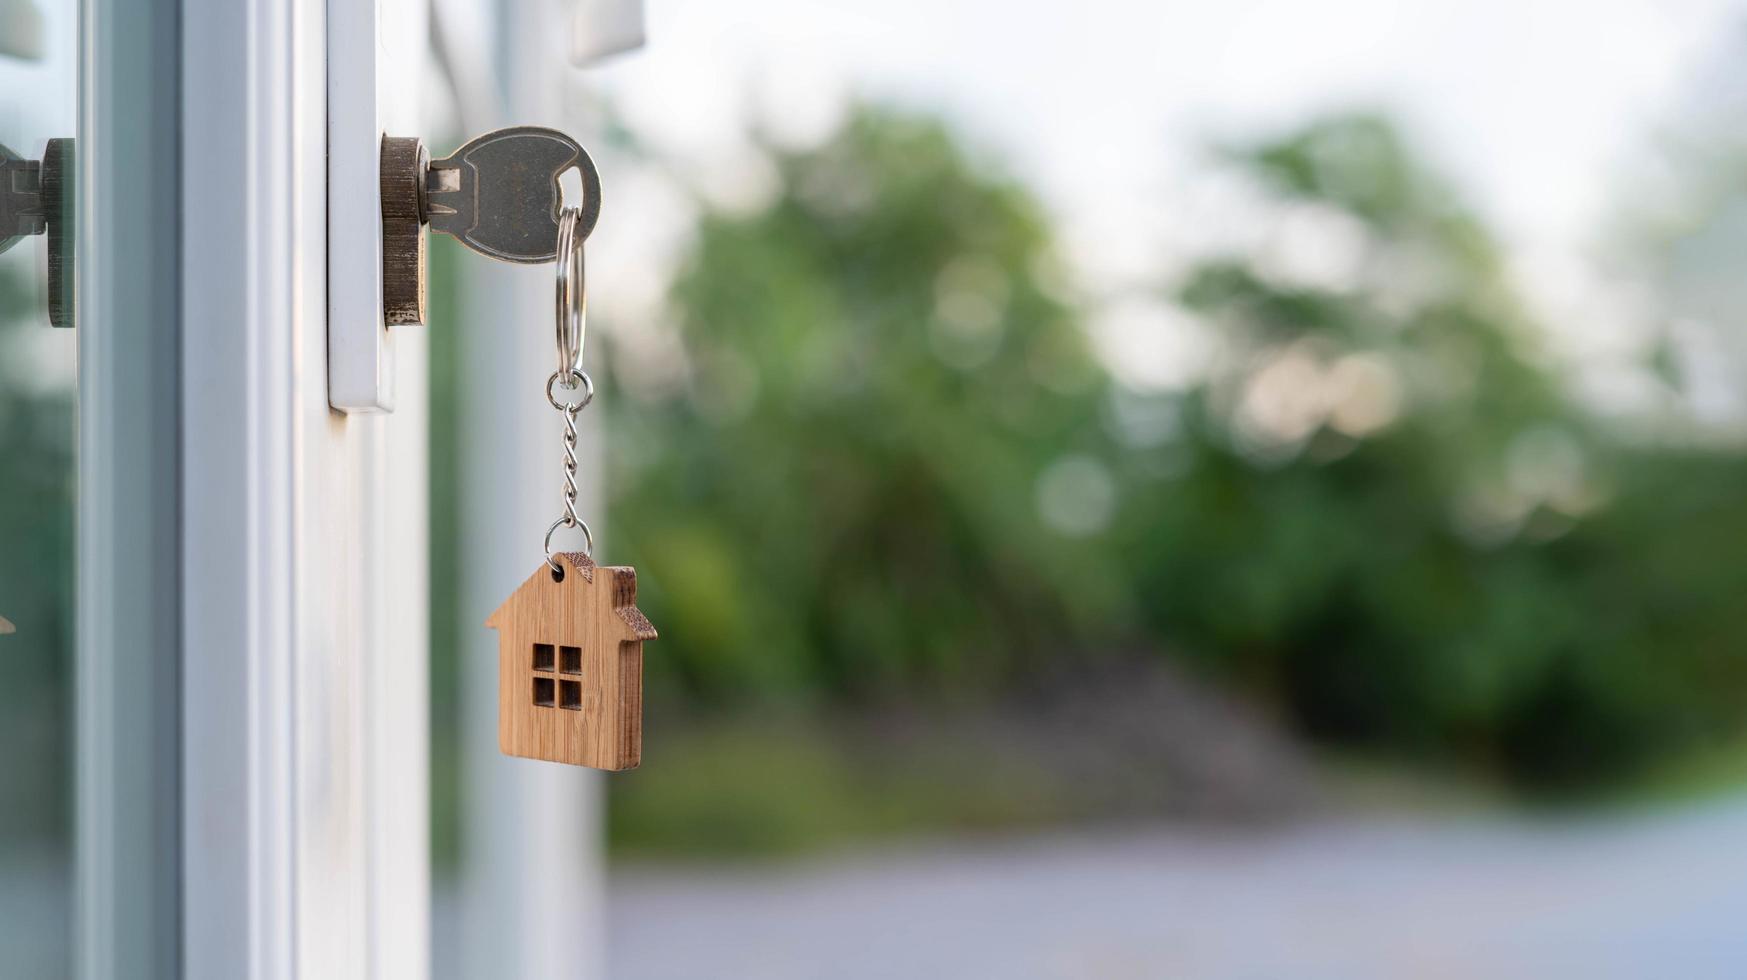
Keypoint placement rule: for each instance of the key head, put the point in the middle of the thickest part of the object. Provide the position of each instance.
(499, 194)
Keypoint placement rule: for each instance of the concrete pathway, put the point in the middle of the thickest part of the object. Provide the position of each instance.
(1652, 896)
(1649, 896)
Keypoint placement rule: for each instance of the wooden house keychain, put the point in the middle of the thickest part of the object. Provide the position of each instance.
(570, 639)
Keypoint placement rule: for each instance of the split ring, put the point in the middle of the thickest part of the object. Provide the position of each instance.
(573, 379)
(565, 521)
(571, 297)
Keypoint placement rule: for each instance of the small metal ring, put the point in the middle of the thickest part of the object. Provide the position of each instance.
(575, 378)
(571, 297)
(587, 539)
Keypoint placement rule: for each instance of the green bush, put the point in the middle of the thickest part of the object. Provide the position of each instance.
(1377, 508)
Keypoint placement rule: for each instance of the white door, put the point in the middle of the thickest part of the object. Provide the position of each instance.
(304, 741)
(252, 734)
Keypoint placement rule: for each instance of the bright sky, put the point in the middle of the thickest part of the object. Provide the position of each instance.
(1530, 104)
(1534, 108)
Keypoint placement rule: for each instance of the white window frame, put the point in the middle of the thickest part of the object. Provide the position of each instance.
(128, 556)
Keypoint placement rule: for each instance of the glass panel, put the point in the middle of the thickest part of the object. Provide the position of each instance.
(37, 104)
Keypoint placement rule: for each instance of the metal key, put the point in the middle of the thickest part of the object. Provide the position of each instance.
(499, 194)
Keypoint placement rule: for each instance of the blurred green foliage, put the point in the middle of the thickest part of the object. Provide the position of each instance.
(1491, 576)
(894, 468)
(783, 783)
(833, 508)
(36, 581)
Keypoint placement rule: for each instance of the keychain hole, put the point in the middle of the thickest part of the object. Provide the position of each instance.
(570, 189)
(557, 573)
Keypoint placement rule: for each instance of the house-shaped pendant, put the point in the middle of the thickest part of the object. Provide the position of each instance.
(570, 665)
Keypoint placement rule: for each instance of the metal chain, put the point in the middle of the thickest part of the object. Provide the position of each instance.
(570, 468)
(572, 316)
(576, 380)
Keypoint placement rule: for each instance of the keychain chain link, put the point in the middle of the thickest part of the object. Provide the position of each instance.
(570, 468)
(570, 518)
(572, 307)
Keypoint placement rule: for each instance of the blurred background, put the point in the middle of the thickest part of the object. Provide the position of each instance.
(37, 487)
(1193, 490)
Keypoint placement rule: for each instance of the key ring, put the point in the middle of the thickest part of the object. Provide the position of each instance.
(571, 306)
(587, 541)
(570, 382)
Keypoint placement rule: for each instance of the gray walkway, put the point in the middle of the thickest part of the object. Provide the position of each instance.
(1651, 896)
(1657, 896)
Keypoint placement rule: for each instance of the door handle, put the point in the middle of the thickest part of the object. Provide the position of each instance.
(36, 198)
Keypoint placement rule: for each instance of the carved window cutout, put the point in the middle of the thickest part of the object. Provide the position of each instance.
(543, 691)
(570, 660)
(542, 656)
(570, 695)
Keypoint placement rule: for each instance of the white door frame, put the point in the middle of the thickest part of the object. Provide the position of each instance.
(305, 735)
(251, 720)
(127, 671)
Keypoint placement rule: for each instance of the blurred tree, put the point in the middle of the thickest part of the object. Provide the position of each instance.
(841, 499)
(1392, 518)
(895, 465)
